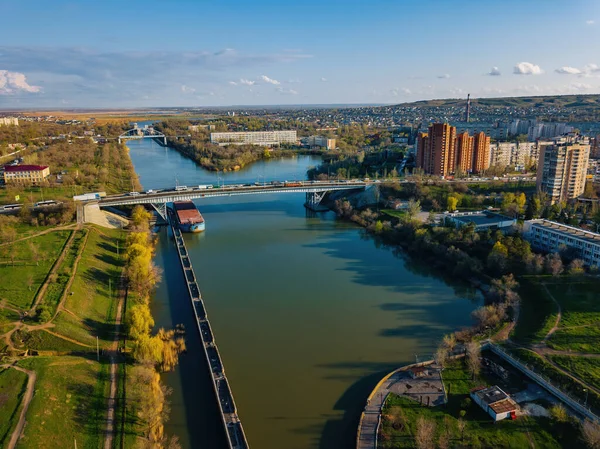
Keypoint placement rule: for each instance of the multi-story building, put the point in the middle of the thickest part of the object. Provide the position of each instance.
(438, 150)
(266, 138)
(562, 169)
(25, 174)
(518, 155)
(501, 153)
(464, 152)
(198, 127)
(549, 236)
(320, 141)
(9, 121)
(481, 152)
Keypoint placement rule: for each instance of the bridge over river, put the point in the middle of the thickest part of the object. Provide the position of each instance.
(315, 192)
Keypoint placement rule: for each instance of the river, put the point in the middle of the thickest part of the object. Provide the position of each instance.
(308, 312)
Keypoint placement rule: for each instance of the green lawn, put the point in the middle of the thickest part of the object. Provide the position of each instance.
(69, 403)
(8, 316)
(15, 276)
(394, 213)
(94, 290)
(578, 339)
(584, 368)
(579, 300)
(538, 312)
(400, 416)
(12, 387)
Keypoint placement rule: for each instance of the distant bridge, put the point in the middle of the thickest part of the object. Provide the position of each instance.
(147, 132)
(314, 190)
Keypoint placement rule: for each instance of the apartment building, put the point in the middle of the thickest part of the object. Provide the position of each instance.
(25, 174)
(562, 169)
(320, 141)
(266, 138)
(549, 236)
(464, 152)
(481, 152)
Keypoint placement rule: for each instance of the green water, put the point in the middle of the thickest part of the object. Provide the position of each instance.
(308, 312)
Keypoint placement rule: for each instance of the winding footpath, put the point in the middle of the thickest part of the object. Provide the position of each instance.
(31, 378)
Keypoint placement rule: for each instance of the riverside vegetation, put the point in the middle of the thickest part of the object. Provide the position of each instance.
(63, 285)
(517, 283)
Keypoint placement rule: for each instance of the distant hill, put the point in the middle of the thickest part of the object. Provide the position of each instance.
(559, 101)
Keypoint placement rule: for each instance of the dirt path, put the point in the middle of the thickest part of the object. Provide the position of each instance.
(47, 231)
(114, 363)
(558, 316)
(71, 278)
(54, 269)
(75, 342)
(31, 377)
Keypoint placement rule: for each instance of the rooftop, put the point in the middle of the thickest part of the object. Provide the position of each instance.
(490, 395)
(480, 218)
(589, 236)
(17, 168)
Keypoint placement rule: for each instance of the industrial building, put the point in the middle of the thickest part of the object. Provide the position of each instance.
(495, 402)
(482, 220)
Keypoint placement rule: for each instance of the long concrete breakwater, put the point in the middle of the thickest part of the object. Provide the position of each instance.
(234, 431)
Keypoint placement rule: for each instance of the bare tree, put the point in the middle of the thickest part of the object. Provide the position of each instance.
(30, 281)
(473, 353)
(441, 356)
(553, 264)
(425, 433)
(450, 342)
(590, 432)
(35, 254)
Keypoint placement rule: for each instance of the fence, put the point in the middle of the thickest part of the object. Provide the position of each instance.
(542, 381)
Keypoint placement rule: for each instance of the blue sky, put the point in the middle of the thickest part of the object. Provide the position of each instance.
(201, 53)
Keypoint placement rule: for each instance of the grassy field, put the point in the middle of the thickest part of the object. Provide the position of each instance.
(578, 299)
(69, 403)
(394, 213)
(21, 275)
(12, 387)
(400, 416)
(44, 341)
(578, 339)
(584, 368)
(538, 312)
(56, 289)
(33, 194)
(92, 304)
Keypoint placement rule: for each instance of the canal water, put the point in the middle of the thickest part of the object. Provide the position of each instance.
(308, 312)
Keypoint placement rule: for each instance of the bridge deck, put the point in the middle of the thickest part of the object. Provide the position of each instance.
(231, 422)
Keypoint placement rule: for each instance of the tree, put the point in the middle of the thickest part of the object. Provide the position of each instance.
(139, 321)
(559, 413)
(521, 200)
(451, 203)
(553, 264)
(590, 432)
(473, 361)
(449, 341)
(576, 267)
(29, 281)
(35, 254)
(441, 356)
(414, 208)
(461, 424)
(424, 436)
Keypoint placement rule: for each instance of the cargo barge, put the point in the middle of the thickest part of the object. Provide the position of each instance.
(189, 218)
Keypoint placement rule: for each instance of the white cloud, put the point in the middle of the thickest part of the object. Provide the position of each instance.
(13, 82)
(287, 91)
(590, 22)
(233, 83)
(444, 76)
(266, 79)
(579, 86)
(566, 70)
(246, 82)
(527, 68)
(324, 79)
(294, 81)
(494, 72)
(395, 91)
(187, 89)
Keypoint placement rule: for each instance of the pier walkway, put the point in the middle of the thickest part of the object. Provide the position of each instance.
(234, 431)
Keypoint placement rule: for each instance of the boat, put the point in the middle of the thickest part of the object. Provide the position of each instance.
(189, 218)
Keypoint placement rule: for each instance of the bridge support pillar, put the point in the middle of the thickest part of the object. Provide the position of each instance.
(165, 141)
(313, 201)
